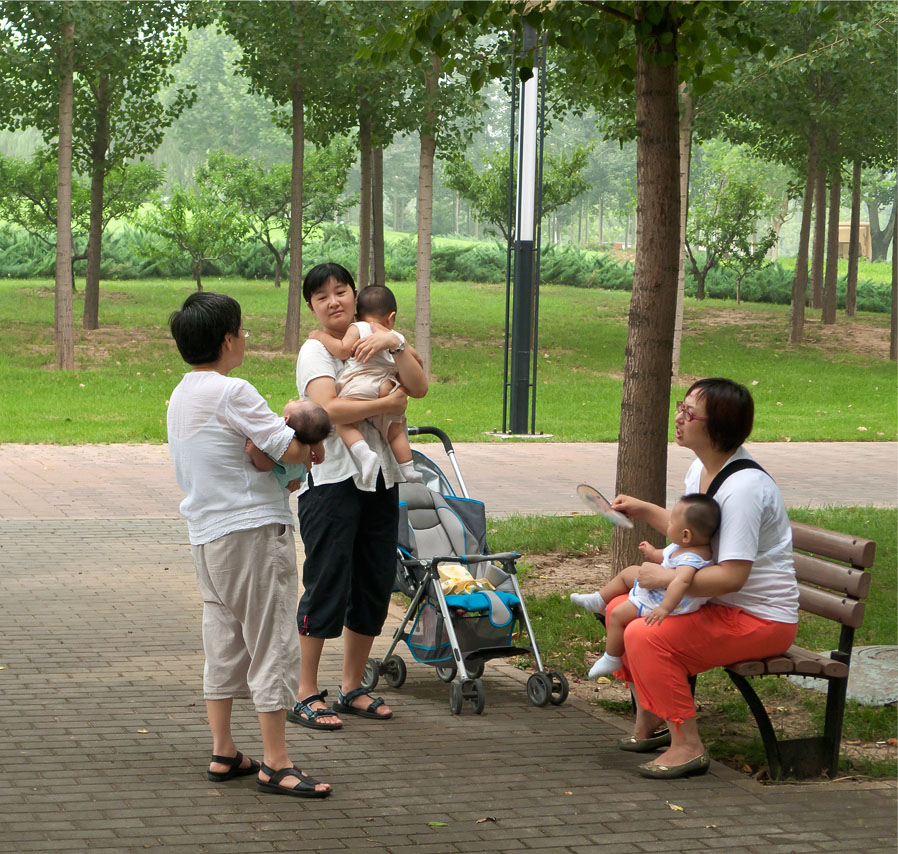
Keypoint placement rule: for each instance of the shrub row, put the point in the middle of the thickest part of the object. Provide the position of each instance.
(128, 254)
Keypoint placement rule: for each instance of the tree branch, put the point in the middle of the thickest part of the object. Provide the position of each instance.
(609, 10)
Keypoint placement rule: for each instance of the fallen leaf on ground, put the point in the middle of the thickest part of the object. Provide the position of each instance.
(486, 818)
(676, 807)
(437, 824)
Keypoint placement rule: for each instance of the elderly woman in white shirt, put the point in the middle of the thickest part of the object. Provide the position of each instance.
(241, 535)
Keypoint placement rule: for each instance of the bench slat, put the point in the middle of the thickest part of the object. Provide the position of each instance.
(794, 660)
(844, 579)
(747, 668)
(844, 547)
(809, 663)
(841, 609)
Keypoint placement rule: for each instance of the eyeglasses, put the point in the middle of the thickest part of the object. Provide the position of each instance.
(687, 413)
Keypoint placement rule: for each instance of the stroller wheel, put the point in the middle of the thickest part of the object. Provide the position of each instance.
(560, 688)
(371, 675)
(455, 698)
(447, 674)
(539, 689)
(395, 671)
(475, 671)
(473, 688)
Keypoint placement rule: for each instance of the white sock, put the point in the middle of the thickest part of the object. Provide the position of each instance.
(605, 666)
(591, 601)
(410, 473)
(368, 463)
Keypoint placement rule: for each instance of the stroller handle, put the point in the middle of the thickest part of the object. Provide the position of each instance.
(432, 431)
(447, 447)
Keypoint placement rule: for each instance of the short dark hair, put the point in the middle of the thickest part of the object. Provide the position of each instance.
(311, 423)
(729, 409)
(376, 300)
(702, 514)
(200, 325)
(317, 277)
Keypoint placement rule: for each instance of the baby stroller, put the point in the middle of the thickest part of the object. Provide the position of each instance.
(441, 533)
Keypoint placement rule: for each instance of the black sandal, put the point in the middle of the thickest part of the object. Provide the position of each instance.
(304, 715)
(304, 789)
(234, 769)
(344, 705)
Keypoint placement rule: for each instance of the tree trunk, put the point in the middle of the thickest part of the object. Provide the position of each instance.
(364, 195)
(893, 329)
(854, 241)
(687, 122)
(377, 216)
(278, 268)
(700, 276)
(64, 321)
(198, 274)
(828, 315)
(363, 271)
(425, 216)
(800, 280)
(819, 232)
(645, 403)
(91, 319)
(601, 220)
(396, 210)
(586, 225)
(879, 240)
(457, 201)
(294, 291)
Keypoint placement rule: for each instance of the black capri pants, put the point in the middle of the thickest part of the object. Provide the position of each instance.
(349, 538)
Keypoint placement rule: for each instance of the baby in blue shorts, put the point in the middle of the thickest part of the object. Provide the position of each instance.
(311, 424)
(694, 520)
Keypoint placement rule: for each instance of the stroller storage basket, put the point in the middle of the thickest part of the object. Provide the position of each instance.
(429, 641)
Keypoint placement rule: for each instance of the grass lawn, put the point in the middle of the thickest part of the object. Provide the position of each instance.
(826, 390)
(571, 640)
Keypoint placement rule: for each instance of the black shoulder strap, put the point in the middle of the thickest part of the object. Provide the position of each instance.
(727, 470)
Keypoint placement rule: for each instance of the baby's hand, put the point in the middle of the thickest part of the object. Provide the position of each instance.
(248, 447)
(645, 546)
(656, 616)
(317, 335)
(316, 453)
(294, 484)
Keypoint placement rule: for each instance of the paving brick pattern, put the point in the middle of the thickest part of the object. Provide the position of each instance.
(105, 741)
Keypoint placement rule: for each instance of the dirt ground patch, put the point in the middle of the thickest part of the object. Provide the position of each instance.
(847, 335)
(562, 574)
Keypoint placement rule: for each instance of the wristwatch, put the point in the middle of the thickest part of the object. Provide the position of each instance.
(401, 345)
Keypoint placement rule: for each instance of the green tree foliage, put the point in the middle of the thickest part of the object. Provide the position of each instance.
(263, 193)
(28, 197)
(486, 186)
(197, 223)
(727, 202)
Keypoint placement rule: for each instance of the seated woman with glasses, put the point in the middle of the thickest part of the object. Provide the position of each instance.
(753, 607)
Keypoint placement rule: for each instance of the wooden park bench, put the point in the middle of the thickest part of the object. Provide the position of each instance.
(833, 583)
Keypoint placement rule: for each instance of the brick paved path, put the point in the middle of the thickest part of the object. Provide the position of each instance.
(105, 742)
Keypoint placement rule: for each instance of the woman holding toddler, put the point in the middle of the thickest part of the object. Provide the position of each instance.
(753, 607)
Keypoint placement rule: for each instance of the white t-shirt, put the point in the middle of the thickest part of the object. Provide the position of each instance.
(312, 363)
(754, 526)
(210, 417)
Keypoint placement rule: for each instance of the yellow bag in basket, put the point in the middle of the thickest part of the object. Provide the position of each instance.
(455, 578)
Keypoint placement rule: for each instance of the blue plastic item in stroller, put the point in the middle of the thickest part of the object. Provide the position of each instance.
(457, 632)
